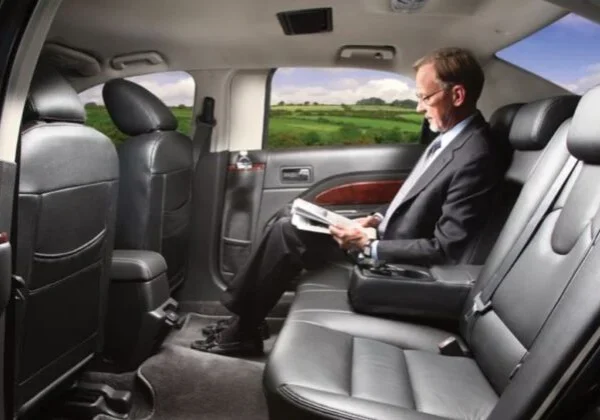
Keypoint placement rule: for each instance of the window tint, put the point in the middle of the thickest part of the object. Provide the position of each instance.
(176, 89)
(325, 107)
(565, 52)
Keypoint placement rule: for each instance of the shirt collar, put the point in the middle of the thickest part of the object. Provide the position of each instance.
(451, 134)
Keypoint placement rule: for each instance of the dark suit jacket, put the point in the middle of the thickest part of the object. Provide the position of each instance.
(448, 203)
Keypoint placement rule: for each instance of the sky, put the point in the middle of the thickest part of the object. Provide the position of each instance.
(566, 52)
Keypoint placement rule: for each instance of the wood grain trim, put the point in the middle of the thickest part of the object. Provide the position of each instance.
(255, 167)
(368, 192)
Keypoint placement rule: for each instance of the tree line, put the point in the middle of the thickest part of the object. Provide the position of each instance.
(405, 103)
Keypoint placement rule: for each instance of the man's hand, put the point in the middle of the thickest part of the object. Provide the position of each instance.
(349, 237)
(369, 221)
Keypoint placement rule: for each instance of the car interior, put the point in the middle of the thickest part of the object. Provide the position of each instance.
(123, 221)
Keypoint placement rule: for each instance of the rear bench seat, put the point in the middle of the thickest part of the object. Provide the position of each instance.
(542, 314)
(534, 166)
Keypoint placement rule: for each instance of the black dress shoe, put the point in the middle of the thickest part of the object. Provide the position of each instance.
(216, 327)
(252, 346)
(222, 324)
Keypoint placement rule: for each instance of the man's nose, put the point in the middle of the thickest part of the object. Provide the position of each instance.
(420, 107)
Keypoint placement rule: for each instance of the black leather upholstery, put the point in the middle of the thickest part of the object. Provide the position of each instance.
(536, 122)
(134, 265)
(502, 119)
(51, 102)
(329, 362)
(135, 110)
(156, 174)
(582, 137)
(65, 225)
(404, 294)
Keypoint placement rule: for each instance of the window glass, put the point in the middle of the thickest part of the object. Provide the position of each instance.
(175, 89)
(566, 52)
(326, 107)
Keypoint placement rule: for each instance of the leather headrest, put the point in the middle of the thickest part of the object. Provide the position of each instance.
(535, 122)
(51, 98)
(135, 110)
(502, 119)
(583, 139)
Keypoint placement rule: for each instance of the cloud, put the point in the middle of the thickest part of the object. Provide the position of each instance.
(586, 82)
(172, 92)
(345, 91)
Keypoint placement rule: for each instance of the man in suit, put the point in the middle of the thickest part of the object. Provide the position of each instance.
(430, 221)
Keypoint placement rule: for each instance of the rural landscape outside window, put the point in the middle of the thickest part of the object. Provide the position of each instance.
(327, 107)
(175, 89)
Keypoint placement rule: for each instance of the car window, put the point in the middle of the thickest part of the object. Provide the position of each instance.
(565, 52)
(176, 89)
(337, 106)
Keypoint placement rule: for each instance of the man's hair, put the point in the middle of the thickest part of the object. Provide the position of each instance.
(456, 66)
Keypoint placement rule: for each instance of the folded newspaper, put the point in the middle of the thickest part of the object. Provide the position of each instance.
(310, 217)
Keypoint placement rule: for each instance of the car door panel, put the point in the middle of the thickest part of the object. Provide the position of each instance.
(352, 180)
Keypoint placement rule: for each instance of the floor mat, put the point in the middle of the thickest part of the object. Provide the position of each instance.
(192, 330)
(187, 384)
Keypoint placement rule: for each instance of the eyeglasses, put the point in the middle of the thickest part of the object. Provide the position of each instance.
(425, 98)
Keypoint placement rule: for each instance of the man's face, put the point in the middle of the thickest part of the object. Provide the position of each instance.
(434, 101)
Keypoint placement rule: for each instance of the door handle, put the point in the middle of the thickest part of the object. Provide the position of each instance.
(303, 174)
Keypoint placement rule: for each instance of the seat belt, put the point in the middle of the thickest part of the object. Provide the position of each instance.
(204, 127)
(482, 301)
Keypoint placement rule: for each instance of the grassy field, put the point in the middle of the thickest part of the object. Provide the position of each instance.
(308, 125)
(315, 125)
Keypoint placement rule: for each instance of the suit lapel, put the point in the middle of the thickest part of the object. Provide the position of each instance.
(443, 159)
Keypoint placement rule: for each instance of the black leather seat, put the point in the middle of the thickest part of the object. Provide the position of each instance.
(335, 364)
(65, 230)
(156, 175)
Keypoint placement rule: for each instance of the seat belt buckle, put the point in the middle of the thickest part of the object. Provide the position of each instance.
(19, 287)
(478, 308)
(452, 347)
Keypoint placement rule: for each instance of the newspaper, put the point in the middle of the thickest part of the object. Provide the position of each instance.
(312, 218)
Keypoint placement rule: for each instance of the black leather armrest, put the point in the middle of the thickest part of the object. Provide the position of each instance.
(406, 291)
(136, 265)
(456, 273)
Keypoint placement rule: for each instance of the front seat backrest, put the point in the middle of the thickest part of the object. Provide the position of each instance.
(65, 231)
(156, 174)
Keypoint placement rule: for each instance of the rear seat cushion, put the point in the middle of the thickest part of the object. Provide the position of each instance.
(353, 377)
(404, 334)
(335, 276)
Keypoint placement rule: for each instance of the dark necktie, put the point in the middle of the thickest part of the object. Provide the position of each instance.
(436, 144)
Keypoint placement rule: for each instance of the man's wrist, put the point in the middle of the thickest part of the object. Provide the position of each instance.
(370, 250)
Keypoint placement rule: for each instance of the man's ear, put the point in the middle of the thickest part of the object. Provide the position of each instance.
(459, 95)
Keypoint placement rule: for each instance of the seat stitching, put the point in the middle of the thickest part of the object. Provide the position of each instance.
(316, 407)
(412, 390)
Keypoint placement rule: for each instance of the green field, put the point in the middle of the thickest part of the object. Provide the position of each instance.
(325, 125)
(307, 125)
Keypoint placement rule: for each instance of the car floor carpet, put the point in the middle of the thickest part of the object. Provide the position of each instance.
(187, 384)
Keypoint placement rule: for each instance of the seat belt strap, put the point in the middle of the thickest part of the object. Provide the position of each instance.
(482, 301)
(205, 124)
